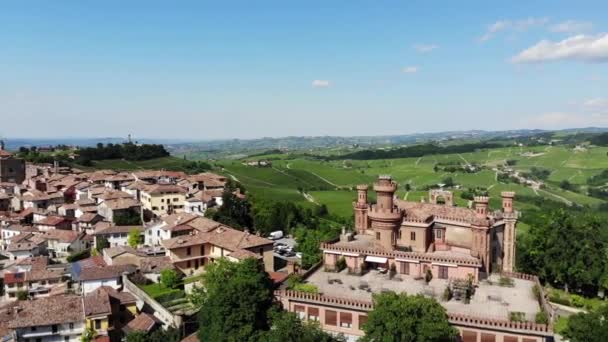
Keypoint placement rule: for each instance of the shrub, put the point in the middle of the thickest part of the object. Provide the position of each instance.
(79, 255)
(505, 282)
(537, 293)
(577, 301)
(308, 288)
(516, 316)
(169, 296)
(169, 278)
(22, 295)
(541, 318)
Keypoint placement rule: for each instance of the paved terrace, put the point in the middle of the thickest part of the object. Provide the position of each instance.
(489, 301)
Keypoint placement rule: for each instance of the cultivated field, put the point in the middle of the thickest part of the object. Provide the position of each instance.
(307, 181)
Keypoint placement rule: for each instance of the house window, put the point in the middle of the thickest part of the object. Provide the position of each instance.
(313, 314)
(54, 328)
(399, 234)
(175, 199)
(405, 268)
(362, 321)
(438, 234)
(162, 208)
(202, 250)
(300, 311)
(377, 236)
(413, 236)
(443, 272)
(71, 326)
(188, 264)
(33, 328)
(346, 319)
(262, 251)
(97, 324)
(188, 251)
(331, 317)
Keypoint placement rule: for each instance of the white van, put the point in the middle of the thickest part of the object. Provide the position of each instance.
(275, 235)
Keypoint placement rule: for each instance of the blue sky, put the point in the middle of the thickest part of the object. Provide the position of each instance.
(245, 69)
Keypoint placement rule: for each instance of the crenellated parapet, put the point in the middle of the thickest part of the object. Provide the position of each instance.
(399, 254)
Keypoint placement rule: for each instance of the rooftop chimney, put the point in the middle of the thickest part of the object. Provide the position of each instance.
(481, 205)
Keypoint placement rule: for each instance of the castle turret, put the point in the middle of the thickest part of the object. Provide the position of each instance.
(385, 217)
(509, 235)
(507, 201)
(481, 205)
(360, 207)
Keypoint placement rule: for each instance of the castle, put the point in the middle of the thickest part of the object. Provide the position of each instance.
(450, 241)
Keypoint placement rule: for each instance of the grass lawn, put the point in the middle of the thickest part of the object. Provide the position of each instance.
(162, 293)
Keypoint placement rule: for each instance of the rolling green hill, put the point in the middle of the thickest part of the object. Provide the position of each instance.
(331, 182)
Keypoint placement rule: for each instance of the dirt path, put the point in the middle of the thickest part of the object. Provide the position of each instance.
(309, 198)
(565, 200)
(466, 161)
(418, 161)
(325, 180)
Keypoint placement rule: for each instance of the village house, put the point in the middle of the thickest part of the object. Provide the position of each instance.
(206, 240)
(25, 245)
(113, 208)
(62, 243)
(45, 319)
(86, 222)
(163, 199)
(35, 277)
(116, 235)
(106, 310)
(167, 227)
(91, 278)
(7, 232)
(53, 222)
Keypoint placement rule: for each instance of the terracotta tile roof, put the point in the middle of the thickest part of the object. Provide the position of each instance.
(48, 311)
(52, 221)
(244, 254)
(143, 322)
(21, 246)
(278, 277)
(112, 252)
(107, 272)
(89, 217)
(427, 211)
(121, 297)
(12, 278)
(20, 228)
(85, 202)
(155, 264)
(118, 229)
(164, 188)
(121, 203)
(64, 236)
(113, 194)
(138, 185)
(5, 154)
(94, 261)
(99, 302)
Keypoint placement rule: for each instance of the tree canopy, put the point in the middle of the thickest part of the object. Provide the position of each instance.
(238, 297)
(566, 248)
(588, 327)
(403, 318)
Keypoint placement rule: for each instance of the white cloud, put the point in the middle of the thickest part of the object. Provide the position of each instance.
(581, 47)
(423, 48)
(321, 84)
(572, 26)
(559, 120)
(590, 112)
(514, 25)
(596, 103)
(410, 70)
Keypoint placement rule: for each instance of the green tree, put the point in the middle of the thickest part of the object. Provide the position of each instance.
(22, 295)
(286, 326)
(134, 238)
(403, 318)
(169, 278)
(101, 243)
(128, 218)
(234, 212)
(588, 327)
(158, 335)
(237, 299)
(566, 248)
